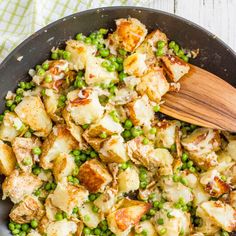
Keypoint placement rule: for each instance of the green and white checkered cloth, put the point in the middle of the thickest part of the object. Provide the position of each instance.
(20, 18)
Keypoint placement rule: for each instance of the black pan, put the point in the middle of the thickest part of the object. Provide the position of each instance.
(215, 56)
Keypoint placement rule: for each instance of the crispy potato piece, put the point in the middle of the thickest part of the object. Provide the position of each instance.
(7, 159)
(128, 180)
(94, 175)
(105, 125)
(60, 140)
(166, 133)
(148, 46)
(18, 185)
(84, 106)
(88, 216)
(66, 197)
(30, 208)
(141, 111)
(114, 150)
(213, 184)
(173, 225)
(200, 195)
(129, 34)
(201, 145)
(10, 127)
(106, 200)
(61, 228)
(135, 64)
(22, 148)
(96, 74)
(127, 215)
(63, 166)
(80, 52)
(232, 198)
(175, 67)
(154, 84)
(31, 111)
(222, 214)
(231, 149)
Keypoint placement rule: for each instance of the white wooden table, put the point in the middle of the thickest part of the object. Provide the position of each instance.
(217, 16)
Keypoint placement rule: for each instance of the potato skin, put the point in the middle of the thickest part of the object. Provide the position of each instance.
(31, 111)
(7, 159)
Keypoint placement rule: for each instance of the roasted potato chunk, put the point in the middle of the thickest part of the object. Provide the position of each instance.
(66, 197)
(201, 145)
(30, 208)
(32, 112)
(63, 166)
(80, 52)
(127, 215)
(129, 34)
(135, 64)
(154, 84)
(22, 148)
(18, 185)
(222, 214)
(10, 127)
(175, 67)
(7, 159)
(142, 116)
(105, 125)
(96, 74)
(84, 106)
(60, 140)
(114, 150)
(94, 175)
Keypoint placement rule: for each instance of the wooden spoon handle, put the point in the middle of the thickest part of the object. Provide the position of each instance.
(204, 99)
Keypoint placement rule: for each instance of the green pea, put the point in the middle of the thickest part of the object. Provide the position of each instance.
(22, 84)
(173, 147)
(34, 224)
(185, 58)
(161, 44)
(43, 92)
(122, 52)
(176, 48)
(223, 177)
(122, 75)
(12, 108)
(69, 178)
(181, 201)
(152, 212)
(143, 218)
(124, 166)
(37, 150)
(97, 231)
(45, 66)
(11, 226)
(176, 178)
(128, 124)
(224, 233)
(126, 134)
(103, 31)
(117, 66)
(160, 52)
(48, 78)
(5, 112)
(76, 152)
(86, 218)
(145, 141)
(104, 52)
(19, 91)
(22, 233)
(9, 103)
(111, 68)
(1, 117)
(105, 64)
(18, 226)
(92, 197)
(135, 132)
(181, 232)
(25, 227)
(88, 40)
(37, 193)
(18, 99)
(162, 231)
(184, 157)
(95, 209)
(172, 44)
(83, 157)
(80, 83)
(180, 53)
(119, 60)
(41, 72)
(86, 230)
(143, 176)
(75, 171)
(79, 37)
(15, 231)
(27, 161)
(62, 98)
(160, 221)
(58, 216)
(36, 170)
(54, 56)
(28, 85)
(169, 215)
(153, 131)
(156, 108)
(189, 164)
(66, 55)
(184, 181)
(156, 204)
(103, 135)
(143, 184)
(92, 35)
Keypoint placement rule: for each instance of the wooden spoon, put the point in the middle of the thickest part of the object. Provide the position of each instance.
(204, 99)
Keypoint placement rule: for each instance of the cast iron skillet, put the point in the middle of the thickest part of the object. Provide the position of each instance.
(215, 56)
